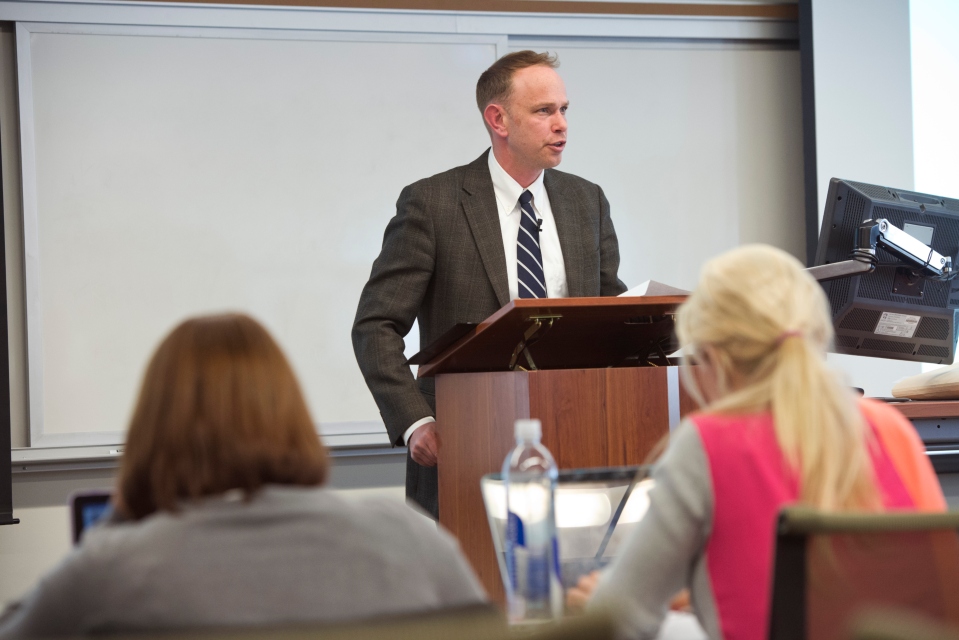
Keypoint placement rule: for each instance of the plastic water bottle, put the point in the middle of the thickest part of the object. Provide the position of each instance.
(535, 591)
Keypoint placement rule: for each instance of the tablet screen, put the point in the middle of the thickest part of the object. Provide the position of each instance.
(87, 508)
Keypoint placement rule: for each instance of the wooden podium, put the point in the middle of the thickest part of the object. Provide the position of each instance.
(593, 370)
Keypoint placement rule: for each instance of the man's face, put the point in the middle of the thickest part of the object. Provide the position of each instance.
(536, 118)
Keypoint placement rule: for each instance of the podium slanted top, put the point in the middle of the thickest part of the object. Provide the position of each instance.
(564, 333)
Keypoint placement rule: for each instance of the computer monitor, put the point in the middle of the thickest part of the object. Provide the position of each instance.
(890, 312)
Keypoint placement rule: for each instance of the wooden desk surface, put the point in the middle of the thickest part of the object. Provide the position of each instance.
(928, 408)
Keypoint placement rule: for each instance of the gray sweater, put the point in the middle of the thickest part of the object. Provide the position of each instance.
(291, 555)
(666, 550)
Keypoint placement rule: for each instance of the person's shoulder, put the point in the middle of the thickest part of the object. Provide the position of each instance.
(108, 543)
(372, 508)
(397, 511)
(451, 178)
(569, 181)
(98, 552)
(893, 427)
(406, 519)
(883, 414)
(572, 178)
(389, 521)
(709, 422)
(684, 439)
(109, 536)
(427, 548)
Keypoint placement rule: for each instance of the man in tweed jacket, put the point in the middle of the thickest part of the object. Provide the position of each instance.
(444, 255)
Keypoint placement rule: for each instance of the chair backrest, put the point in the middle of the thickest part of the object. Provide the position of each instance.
(900, 625)
(477, 622)
(473, 622)
(830, 568)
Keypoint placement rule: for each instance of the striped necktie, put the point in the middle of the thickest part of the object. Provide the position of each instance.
(529, 268)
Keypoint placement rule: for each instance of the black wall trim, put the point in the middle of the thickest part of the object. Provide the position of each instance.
(810, 189)
(6, 473)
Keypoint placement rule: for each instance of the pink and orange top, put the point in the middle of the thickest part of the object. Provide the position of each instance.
(712, 518)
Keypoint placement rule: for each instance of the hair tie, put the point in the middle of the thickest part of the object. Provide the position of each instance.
(785, 335)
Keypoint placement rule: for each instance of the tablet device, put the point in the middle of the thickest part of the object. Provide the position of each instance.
(86, 508)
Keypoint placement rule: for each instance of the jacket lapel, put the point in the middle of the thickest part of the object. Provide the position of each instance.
(569, 230)
(479, 205)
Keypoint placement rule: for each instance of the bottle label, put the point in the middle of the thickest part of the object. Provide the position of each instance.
(515, 541)
(537, 576)
(514, 529)
(556, 566)
(528, 562)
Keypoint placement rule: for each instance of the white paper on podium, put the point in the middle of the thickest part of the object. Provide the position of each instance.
(653, 288)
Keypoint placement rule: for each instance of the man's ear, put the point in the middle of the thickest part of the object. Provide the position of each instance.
(496, 120)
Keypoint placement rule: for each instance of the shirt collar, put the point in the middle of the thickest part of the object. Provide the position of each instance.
(508, 191)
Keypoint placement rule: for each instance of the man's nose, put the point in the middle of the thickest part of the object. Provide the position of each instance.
(559, 122)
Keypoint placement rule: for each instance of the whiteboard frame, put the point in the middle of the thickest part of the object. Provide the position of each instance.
(361, 433)
(329, 23)
(101, 12)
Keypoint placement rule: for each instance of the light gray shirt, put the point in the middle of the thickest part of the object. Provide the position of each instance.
(666, 551)
(291, 555)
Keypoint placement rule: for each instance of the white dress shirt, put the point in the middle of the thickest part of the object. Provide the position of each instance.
(507, 192)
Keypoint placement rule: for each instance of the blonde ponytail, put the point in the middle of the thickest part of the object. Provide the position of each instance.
(765, 323)
(820, 430)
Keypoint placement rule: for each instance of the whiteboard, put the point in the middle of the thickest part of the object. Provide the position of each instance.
(178, 172)
(698, 147)
(184, 175)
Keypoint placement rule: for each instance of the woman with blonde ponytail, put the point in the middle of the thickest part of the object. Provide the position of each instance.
(776, 427)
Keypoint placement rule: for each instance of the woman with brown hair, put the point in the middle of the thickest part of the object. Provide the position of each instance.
(220, 518)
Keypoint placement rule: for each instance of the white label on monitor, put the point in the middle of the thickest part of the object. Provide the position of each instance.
(920, 232)
(897, 324)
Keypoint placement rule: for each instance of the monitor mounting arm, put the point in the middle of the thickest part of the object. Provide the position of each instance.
(881, 233)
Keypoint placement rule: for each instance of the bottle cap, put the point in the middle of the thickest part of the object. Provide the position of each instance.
(529, 429)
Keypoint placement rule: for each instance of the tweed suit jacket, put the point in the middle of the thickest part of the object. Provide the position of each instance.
(442, 262)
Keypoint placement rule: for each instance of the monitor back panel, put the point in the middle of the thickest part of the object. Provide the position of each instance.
(889, 313)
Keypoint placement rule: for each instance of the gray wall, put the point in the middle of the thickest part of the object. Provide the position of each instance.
(863, 89)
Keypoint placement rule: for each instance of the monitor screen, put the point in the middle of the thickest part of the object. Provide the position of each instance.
(891, 313)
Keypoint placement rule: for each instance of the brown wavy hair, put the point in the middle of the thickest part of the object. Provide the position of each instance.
(220, 408)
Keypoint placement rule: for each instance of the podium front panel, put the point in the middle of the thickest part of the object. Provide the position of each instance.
(590, 417)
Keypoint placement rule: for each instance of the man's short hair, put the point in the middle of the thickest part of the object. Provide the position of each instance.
(496, 83)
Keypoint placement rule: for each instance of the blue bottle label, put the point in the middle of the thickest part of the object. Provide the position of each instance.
(514, 529)
(559, 574)
(537, 577)
(515, 537)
